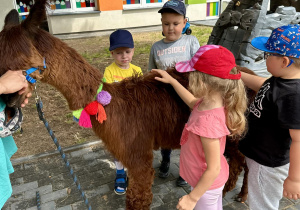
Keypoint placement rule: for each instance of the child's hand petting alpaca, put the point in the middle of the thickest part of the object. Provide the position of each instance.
(165, 77)
(186, 203)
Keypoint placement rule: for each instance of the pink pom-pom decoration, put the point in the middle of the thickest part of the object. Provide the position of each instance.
(103, 97)
(85, 120)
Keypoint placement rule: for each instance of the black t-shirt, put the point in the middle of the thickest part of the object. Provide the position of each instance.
(275, 110)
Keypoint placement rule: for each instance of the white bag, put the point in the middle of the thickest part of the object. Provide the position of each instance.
(10, 121)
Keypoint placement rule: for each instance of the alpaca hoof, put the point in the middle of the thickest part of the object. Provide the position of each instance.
(240, 198)
(244, 198)
(237, 199)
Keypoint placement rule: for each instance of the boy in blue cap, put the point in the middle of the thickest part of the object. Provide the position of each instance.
(272, 144)
(122, 50)
(175, 47)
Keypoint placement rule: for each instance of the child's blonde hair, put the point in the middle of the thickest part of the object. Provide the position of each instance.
(233, 93)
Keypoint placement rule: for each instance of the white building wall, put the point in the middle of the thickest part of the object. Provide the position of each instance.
(110, 20)
(6, 6)
(196, 12)
(105, 20)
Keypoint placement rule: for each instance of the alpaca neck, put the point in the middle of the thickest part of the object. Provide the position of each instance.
(76, 79)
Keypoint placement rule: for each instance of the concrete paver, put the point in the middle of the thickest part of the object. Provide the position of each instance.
(95, 170)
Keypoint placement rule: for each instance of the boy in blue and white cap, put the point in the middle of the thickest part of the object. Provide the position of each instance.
(272, 144)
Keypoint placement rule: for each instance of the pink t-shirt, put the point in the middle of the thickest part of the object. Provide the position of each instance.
(209, 124)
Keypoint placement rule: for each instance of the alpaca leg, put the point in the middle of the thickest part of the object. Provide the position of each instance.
(236, 163)
(139, 194)
(234, 172)
(242, 196)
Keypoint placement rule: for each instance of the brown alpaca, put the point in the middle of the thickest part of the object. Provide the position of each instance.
(143, 115)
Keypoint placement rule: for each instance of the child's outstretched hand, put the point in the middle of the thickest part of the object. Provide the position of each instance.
(186, 203)
(291, 189)
(165, 77)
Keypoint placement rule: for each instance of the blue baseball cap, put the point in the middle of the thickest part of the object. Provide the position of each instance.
(283, 40)
(120, 38)
(176, 5)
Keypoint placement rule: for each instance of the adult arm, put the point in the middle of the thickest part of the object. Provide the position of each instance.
(291, 186)
(13, 81)
(211, 148)
(184, 94)
(252, 81)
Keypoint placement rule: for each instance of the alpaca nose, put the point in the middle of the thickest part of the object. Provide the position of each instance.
(12, 100)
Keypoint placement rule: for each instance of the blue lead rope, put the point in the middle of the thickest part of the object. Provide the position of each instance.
(38, 202)
(39, 106)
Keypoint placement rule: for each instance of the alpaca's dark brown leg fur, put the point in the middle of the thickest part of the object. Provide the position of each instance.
(242, 196)
(236, 161)
(139, 194)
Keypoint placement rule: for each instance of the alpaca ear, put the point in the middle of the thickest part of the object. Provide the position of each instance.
(36, 16)
(12, 18)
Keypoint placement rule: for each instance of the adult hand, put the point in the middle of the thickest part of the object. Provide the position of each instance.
(291, 189)
(13, 81)
(165, 77)
(186, 203)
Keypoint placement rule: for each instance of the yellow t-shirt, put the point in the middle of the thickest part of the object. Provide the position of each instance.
(113, 73)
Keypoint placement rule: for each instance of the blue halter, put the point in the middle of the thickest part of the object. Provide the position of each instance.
(31, 70)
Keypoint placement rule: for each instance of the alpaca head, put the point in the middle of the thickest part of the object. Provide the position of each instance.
(17, 50)
(25, 45)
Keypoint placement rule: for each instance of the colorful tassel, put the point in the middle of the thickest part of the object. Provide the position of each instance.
(77, 113)
(100, 88)
(103, 97)
(101, 85)
(85, 120)
(92, 108)
(82, 116)
(101, 116)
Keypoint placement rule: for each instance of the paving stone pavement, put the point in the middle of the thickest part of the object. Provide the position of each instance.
(95, 170)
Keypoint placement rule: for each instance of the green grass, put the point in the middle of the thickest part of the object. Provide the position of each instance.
(69, 118)
(142, 48)
(91, 56)
(202, 33)
(79, 139)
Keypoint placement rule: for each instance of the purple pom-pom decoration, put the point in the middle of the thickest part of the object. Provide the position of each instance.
(103, 97)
